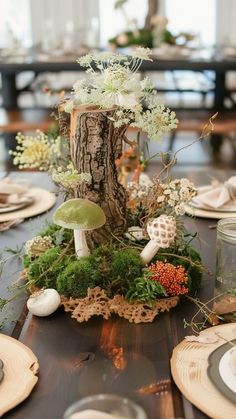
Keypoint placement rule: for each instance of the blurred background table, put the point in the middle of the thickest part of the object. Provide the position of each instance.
(196, 61)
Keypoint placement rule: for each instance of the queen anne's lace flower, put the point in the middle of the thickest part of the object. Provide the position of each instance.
(117, 86)
(70, 179)
(36, 152)
(141, 53)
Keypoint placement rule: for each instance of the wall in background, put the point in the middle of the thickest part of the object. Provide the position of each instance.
(15, 22)
(61, 20)
(195, 16)
(225, 22)
(55, 22)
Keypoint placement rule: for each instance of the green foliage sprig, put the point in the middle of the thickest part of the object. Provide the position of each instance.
(144, 290)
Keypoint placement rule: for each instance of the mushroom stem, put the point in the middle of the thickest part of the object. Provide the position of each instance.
(81, 247)
(149, 251)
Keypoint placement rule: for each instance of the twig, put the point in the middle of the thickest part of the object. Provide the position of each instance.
(132, 143)
(199, 265)
(207, 130)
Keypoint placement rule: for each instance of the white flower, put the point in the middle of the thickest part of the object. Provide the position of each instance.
(126, 100)
(146, 84)
(38, 245)
(69, 106)
(174, 196)
(184, 182)
(179, 209)
(70, 179)
(142, 53)
(171, 203)
(36, 152)
(117, 85)
(161, 198)
(155, 121)
(184, 193)
(144, 180)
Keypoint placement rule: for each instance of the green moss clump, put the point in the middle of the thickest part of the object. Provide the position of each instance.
(126, 266)
(46, 268)
(144, 39)
(26, 261)
(101, 258)
(106, 267)
(76, 278)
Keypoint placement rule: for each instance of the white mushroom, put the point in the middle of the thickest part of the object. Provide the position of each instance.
(162, 232)
(44, 302)
(134, 233)
(144, 180)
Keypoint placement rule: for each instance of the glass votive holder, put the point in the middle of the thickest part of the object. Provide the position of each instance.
(105, 406)
(225, 284)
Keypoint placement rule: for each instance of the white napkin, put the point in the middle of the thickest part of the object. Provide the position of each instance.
(217, 194)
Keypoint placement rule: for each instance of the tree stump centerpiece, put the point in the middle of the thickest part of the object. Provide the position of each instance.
(101, 110)
(95, 144)
(105, 271)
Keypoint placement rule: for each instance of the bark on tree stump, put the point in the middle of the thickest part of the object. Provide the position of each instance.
(95, 145)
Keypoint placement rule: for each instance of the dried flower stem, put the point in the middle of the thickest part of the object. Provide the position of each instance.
(207, 130)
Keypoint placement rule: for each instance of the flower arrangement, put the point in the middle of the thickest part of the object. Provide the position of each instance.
(117, 85)
(154, 33)
(111, 248)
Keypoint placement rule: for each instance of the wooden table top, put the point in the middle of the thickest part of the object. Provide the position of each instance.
(34, 60)
(106, 356)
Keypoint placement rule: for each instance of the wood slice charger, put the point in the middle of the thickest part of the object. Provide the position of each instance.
(43, 201)
(20, 367)
(189, 365)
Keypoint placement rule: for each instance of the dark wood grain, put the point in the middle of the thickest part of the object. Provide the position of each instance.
(113, 356)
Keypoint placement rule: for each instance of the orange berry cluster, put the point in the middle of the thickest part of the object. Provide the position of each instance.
(173, 278)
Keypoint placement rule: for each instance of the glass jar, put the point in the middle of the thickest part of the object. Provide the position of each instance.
(111, 404)
(225, 285)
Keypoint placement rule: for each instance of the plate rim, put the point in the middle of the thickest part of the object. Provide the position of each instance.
(214, 373)
(17, 207)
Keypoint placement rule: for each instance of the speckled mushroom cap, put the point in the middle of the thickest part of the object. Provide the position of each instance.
(162, 230)
(79, 214)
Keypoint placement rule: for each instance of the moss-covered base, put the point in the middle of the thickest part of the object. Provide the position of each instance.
(117, 271)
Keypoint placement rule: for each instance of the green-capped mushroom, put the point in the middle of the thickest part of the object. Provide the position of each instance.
(80, 215)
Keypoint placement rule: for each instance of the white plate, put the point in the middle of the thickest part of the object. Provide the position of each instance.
(224, 208)
(27, 201)
(217, 215)
(43, 200)
(225, 372)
